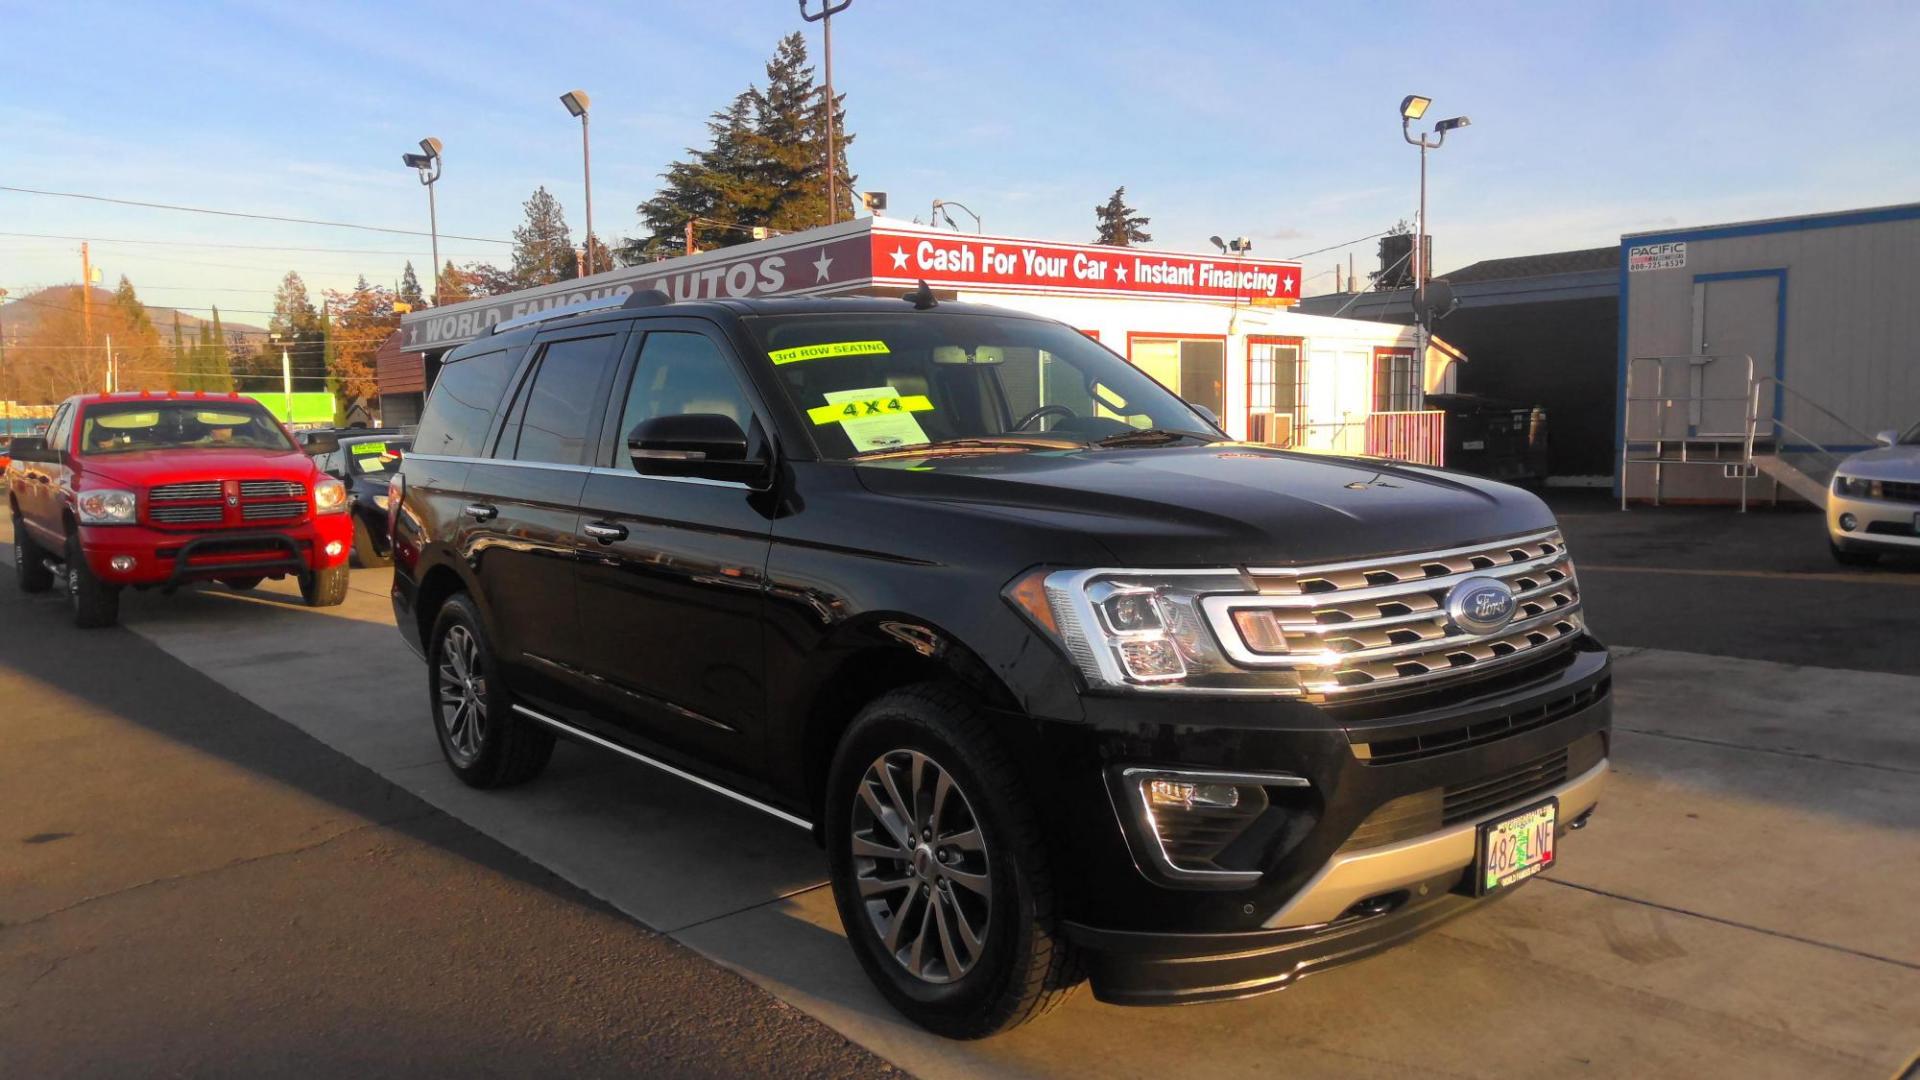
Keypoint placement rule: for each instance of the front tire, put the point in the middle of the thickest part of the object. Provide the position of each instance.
(486, 743)
(29, 561)
(95, 603)
(324, 588)
(939, 868)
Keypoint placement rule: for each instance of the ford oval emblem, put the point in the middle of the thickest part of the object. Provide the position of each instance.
(1480, 605)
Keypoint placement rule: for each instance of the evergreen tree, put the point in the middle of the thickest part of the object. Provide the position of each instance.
(219, 362)
(1118, 223)
(764, 166)
(543, 247)
(293, 310)
(410, 289)
(182, 362)
(452, 287)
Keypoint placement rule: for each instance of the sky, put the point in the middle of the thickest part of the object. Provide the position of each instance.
(1274, 121)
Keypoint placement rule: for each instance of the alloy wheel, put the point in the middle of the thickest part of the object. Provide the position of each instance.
(463, 694)
(921, 866)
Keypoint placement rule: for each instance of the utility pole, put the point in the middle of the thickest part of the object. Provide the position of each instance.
(113, 381)
(86, 296)
(825, 18)
(6, 400)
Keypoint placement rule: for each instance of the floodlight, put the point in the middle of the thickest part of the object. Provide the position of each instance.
(575, 101)
(1445, 126)
(1413, 106)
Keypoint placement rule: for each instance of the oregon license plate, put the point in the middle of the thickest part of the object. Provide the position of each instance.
(1515, 848)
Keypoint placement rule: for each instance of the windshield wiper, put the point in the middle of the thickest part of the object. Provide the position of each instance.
(1153, 437)
(945, 445)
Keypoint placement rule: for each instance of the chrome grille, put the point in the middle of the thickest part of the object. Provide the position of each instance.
(1380, 624)
(204, 489)
(184, 515)
(271, 489)
(269, 510)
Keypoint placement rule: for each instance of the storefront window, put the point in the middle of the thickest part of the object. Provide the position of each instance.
(1276, 390)
(1194, 368)
(1396, 381)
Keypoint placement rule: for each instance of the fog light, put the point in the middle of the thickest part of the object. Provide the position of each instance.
(334, 549)
(1260, 630)
(1151, 658)
(1848, 523)
(1186, 796)
(121, 563)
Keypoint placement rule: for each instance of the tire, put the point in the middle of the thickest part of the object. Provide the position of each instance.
(29, 561)
(486, 743)
(1852, 558)
(365, 552)
(1019, 966)
(243, 584)
(324, 588)
(95, 603)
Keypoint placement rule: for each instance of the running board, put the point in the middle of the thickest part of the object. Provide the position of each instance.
(586, 736)
(1795, 480)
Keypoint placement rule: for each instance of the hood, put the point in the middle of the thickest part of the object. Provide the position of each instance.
(1224, 504)
(145, 468)
(1887, 463)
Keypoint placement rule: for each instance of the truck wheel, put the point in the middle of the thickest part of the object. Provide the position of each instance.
(324, 588)
(365, 553)
(486, 743)
(29, 562)
(1852, 558)
(95, 603)
(939, 868)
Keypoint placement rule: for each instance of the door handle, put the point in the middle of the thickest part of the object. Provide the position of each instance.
(603, 532)
(481, 512)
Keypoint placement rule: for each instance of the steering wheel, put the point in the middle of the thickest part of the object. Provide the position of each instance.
(1044, 410)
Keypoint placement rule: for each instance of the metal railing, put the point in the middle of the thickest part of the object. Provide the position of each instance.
(1775, 422)
(1695, 447)
(1418, 436)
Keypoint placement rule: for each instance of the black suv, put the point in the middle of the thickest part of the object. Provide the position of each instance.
(1068, 684)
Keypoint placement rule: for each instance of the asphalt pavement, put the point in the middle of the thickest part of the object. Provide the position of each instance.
(1740, 907)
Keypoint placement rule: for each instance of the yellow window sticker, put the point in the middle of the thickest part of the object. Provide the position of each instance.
(369, 448)
(874, 418)
(831, 349)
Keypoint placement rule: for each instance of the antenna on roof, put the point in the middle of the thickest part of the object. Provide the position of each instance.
(922, 298)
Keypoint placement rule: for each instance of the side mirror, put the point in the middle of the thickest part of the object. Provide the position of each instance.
(706, 445)
(32, 448)
(1885, 438)
(1212, 417)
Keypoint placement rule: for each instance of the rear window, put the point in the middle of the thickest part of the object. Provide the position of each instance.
(460, 409)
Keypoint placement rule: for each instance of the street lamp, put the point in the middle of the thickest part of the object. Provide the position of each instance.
(576, 103)
(940, 210)
(427, 164)
(286, 372)
(1412, 108)
(828, 9)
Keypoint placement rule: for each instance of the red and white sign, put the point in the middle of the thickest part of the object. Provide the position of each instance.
(956, 260)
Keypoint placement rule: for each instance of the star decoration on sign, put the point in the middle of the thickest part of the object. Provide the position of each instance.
(900, 258)
(1286, 284)
(820, 266)
(1121, 272)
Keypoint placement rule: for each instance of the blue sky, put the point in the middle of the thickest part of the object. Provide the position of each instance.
(1270, 120)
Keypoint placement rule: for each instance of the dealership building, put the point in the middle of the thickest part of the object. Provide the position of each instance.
(1217, 329)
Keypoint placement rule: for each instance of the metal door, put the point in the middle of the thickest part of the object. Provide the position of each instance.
(1733, 318)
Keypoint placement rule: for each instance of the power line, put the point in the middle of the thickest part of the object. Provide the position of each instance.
(210, 244)
(1336, 247)
(244, 214)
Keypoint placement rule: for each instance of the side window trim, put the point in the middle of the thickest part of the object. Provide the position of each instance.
(521, 385)
(613, 443)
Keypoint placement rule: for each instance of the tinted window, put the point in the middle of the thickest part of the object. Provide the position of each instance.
(681, 373)
(58, 430)
(560, 403)
(462, 403)
(131, 426)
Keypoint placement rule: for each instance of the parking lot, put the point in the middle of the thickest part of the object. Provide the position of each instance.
(231, 845)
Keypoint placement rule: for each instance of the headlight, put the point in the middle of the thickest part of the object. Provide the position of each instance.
(382, 500)
(108, 507)
(1148, 630)
(1856, 487)
(329, 496)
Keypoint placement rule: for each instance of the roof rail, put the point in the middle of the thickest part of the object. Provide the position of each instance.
(642, 298)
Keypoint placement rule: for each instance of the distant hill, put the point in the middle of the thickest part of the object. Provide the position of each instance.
(21, 314)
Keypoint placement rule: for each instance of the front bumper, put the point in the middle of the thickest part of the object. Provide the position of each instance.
(167, 558)
(1318, 900)
(1879, 524)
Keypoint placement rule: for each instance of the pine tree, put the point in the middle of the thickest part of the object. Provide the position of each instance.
(410, 289)
(543, 247)
(182, 362)
(293, 310)
(219, 362)
(790, 139)
(452, 287)
(1118, 223)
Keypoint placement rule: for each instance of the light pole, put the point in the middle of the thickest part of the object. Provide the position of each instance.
(940, 209)
(576, 103)
(6, 423)
(286, 374)
(427, 164)
(828, 9)
(1412, 108)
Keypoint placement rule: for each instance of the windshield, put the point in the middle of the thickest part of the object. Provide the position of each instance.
(374, 458)
(1912, 437)
(879, 383)
(126, 427)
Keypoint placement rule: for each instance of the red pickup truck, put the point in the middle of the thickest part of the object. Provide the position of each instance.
(158, 490)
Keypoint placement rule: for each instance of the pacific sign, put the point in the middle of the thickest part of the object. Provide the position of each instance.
(959, 261)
